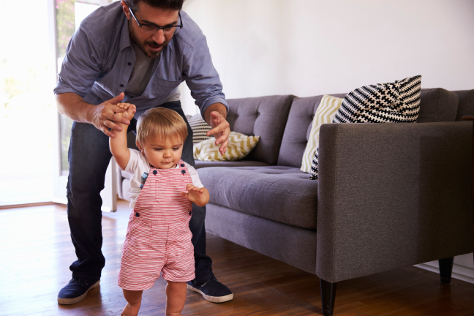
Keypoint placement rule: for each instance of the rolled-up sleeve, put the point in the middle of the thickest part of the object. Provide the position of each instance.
(202, 78)
(80, 68)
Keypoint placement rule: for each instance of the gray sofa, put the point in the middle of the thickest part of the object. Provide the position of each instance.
(388, 195)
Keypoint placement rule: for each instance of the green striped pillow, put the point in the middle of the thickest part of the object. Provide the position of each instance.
(239, 146)
(324, 114)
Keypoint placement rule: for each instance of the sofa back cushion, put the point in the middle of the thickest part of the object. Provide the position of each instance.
(261, 116)
(437, 105)
(297, 130)
(466, 103)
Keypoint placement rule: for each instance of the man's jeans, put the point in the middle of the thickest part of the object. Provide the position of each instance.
(89, 156)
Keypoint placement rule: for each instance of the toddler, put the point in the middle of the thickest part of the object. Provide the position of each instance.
(163, 188)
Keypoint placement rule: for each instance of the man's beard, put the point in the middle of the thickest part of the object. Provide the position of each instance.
(143, 45)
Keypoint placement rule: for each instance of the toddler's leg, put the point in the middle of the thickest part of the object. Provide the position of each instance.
(175, 298)
(134, 299)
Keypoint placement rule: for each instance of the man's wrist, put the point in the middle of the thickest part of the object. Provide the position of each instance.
(89, 113)
(217, 107)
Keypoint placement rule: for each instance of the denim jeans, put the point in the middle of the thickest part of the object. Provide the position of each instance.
(89, 156)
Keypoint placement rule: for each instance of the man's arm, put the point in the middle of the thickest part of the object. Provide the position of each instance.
(215, 115)
(105, 116)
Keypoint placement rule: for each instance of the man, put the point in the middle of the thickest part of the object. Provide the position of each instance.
(135, 51)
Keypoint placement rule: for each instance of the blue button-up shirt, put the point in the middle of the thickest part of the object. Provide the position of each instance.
(100, 59)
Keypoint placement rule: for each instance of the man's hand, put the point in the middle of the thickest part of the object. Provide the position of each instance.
(220, 130)
(106, 116)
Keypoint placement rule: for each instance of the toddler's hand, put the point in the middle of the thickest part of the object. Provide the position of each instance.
(196, 195)
(128, 110)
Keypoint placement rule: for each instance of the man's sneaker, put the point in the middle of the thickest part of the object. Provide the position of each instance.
(212, 290)
(76, 290)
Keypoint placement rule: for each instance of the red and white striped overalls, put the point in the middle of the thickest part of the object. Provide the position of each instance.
(158, 237)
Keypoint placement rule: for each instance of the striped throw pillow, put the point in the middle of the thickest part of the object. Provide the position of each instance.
(394, 102)
(325, 112)
(239, 146)
(199, 127)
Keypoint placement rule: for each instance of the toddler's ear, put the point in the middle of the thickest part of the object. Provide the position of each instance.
(138, 145)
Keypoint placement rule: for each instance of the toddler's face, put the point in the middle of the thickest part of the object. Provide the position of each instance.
(163, 153)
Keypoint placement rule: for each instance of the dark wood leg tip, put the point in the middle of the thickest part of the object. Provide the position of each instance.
(446, 269)
(328, 296)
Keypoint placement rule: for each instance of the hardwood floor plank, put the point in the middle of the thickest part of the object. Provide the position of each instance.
(36, 252)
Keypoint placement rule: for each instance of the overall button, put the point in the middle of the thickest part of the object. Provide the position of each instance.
(190, 213)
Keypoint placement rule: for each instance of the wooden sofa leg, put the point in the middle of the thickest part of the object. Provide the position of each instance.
(328, 295)
(446, 269)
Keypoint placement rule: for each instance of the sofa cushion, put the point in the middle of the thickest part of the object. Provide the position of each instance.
(238, 147)
(396, 102)
(324, 115)
(263, 116)
(298, 129)
(278, 193)
(235, 163)
(438, 105)
(199, 127)
(466, 103)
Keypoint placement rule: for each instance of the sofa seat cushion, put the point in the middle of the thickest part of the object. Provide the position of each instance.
(278, 193)
(230, 163)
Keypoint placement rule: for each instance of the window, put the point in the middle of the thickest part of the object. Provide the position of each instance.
(28, 113)
(27, 76)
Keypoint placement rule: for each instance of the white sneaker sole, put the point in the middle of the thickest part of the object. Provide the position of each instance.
(74, 300)
(213, 299)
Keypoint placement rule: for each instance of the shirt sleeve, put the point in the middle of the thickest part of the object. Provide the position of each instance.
(81, 66)
(134, 160)
(202, 78)
(194, 176)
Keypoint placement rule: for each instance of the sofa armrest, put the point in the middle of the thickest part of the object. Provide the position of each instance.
(392, 195)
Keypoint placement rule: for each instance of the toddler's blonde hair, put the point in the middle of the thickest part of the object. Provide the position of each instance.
(161, 122)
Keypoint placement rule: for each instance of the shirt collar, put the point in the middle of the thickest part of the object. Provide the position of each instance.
(125, 40)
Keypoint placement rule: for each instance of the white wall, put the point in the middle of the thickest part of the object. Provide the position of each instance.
(312, 47)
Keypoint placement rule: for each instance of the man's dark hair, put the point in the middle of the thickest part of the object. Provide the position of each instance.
(163, 4)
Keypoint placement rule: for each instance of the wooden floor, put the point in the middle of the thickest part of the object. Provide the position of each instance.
(36, 251)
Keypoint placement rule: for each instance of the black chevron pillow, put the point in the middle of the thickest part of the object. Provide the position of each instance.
(397, 102)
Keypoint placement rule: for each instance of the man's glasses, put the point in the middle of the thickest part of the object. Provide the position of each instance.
(148, 28)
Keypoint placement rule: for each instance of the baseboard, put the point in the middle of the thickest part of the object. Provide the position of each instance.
(463, 267)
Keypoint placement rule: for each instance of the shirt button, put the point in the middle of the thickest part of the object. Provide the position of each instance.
(121, 86)
(129, 64)
(183, 171)
(155, 172)
(190, 213)
(137, 214)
